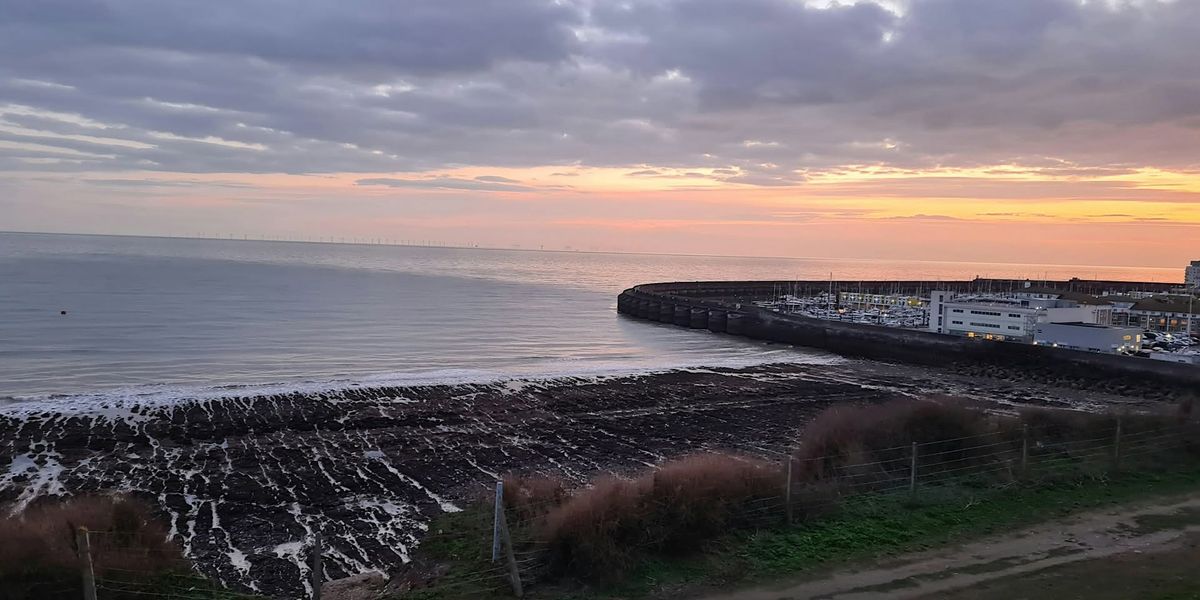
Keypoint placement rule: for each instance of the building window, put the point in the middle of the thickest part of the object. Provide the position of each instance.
(1016, 327)
(956, 322)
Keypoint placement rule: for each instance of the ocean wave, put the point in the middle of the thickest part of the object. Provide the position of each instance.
(123, 402)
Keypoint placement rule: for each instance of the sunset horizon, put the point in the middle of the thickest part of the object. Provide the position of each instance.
(596, 299)
(1027, 131)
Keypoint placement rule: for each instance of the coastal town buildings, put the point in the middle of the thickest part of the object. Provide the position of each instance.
(1008, 318)
(1170, 313)
(1192, 275)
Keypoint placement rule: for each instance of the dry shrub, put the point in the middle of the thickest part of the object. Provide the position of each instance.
(1053, 426)
(602, 530)
(872, 442)
(530, 497)
(38, 553)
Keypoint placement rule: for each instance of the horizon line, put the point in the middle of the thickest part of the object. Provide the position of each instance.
(562, 251)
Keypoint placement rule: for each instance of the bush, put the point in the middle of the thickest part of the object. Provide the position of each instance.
(1054, 426)
(38, 554)
(605, 531)
(871, 444)
(601, 531)
(530, 497)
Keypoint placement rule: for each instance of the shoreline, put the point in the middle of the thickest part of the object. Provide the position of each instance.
(165, 395)
(371, 467)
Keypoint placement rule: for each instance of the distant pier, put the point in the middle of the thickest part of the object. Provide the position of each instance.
(729, 307)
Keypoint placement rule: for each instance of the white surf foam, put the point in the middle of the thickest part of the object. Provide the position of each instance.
(135, 403)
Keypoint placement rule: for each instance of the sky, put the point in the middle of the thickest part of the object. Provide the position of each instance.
(1021, 131)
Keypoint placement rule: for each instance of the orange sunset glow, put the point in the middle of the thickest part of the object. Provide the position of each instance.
(628, 129)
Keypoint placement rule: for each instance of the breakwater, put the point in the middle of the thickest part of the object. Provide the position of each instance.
(727, 307)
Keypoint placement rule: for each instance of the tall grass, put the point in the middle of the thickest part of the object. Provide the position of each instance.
(38, 553)
(602, 531)
(872, 443)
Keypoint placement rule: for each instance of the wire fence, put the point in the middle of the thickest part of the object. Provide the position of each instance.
(505, 550)
(119, 566)
(796, 489)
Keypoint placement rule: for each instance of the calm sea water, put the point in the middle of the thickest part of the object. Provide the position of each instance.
(178, 316)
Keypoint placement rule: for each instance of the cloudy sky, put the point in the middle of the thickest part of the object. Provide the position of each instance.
(1048, 131)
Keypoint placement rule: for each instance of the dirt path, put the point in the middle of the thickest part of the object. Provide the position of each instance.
(1095, 537)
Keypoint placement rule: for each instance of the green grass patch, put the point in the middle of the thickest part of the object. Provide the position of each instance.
(874, 527)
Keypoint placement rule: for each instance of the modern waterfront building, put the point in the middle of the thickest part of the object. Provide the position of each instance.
(1089, 337)
(1163, 312)
(1192, 275)
(1007, 318)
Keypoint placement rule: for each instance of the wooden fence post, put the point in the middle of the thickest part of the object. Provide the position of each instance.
(84, 546)
(514, 572)
(316, 574)
(912, 473)
(497, 516)
(1116, 460)
(787, 489)
(1024, 451)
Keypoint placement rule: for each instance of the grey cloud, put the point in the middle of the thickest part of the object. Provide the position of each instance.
(157, 183)
(675, 85)
(416, 36)
(764, 180)
(445, 183)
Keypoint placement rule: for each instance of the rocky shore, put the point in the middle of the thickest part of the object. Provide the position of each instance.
(245, 481)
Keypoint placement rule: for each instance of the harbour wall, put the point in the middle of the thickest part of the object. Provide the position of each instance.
(727, 307)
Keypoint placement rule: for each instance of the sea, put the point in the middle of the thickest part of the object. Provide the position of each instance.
(110, 316)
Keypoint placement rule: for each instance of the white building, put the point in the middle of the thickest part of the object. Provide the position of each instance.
(1089, 337)
(1192, 275)
(1006, 318)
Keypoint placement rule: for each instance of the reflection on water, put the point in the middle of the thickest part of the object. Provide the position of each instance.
(170, 312)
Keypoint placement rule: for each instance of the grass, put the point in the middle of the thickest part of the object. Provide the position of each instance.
(870, 527)
(706, 521)
(874, 527)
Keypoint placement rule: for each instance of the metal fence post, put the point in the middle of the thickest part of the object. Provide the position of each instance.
(497, 516)
(316, 573)
(514, 572)
(84, 546)
(1024, 451)
(912, 473)
(787, 489)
